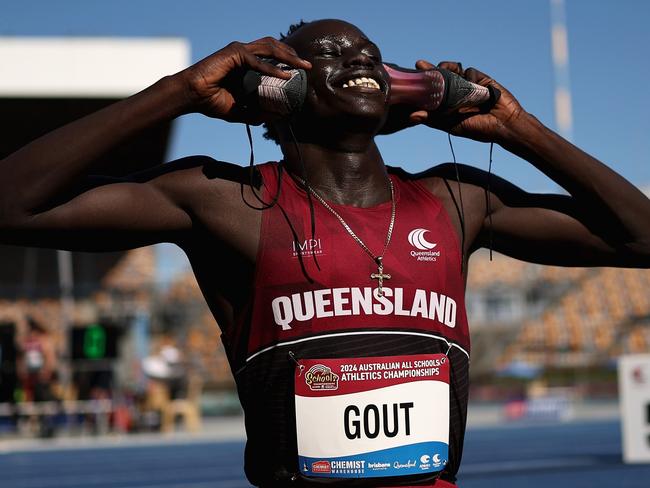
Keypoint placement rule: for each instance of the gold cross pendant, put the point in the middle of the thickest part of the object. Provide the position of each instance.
(380, 276)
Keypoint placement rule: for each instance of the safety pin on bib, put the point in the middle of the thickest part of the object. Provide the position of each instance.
(301, 367)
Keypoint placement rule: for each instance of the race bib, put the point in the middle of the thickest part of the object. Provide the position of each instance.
(372, 417)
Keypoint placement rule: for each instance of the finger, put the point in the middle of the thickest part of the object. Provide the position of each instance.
(423, 64)
(269, 47)
(266, 68)
(453, 66)
(475, 76)
(271, 43)
(449, 122)
(469, 110)
(419, 117)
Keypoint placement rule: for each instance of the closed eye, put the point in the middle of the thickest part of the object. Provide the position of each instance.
(328, 49)
(329, 53)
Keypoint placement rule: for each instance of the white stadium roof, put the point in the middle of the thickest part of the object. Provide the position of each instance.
(86, 67)
(46, 82)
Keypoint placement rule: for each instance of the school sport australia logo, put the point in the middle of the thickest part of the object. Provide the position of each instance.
(321, 377)
(425, 248)
(427, 461)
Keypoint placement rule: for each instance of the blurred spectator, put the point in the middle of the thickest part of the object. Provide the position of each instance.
(37, 370)
(172, 389)
(37, 364)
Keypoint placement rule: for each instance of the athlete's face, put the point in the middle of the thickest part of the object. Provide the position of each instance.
(341, 56)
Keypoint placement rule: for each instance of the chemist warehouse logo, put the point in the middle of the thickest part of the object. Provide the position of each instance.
(425, 248)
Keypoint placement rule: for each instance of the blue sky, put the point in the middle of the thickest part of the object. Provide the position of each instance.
(509, 39)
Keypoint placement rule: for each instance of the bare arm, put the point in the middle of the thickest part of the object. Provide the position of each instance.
(114, 214)
(539, 228)
(35, 207)
(605, 221)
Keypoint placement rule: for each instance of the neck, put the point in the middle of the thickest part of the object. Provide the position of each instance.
(349, 173)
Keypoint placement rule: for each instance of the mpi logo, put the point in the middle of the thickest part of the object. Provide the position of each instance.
(307, 248)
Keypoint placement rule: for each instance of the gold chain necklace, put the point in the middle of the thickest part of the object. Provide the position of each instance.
(380, 276)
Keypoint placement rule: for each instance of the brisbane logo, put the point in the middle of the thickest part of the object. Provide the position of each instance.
(417, 240)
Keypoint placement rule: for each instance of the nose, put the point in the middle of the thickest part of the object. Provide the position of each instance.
(359, 58)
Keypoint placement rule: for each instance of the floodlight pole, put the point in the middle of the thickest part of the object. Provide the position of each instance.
(560, 51)
(66, 297)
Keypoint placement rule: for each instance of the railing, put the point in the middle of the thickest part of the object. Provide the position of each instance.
(77, 407)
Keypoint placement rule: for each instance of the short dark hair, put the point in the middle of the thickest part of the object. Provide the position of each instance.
(269, 131)
(293, 28)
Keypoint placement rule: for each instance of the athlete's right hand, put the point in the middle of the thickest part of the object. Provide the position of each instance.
(206, 82)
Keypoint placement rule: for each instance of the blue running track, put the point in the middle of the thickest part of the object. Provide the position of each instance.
(570, 455)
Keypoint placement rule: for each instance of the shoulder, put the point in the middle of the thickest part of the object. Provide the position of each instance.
(219, 196)
(449, 176)
(212, 192)
(191, 168)
(464, 172)
(198, 178)
(464, 191)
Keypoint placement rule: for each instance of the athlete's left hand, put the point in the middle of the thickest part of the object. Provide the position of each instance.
(493, 126)
(472, 122)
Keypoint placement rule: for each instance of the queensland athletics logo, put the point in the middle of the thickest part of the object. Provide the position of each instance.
(418, 241)
(321, 377)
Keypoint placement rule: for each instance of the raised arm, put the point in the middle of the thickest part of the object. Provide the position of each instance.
(605, 220)
(40, 201)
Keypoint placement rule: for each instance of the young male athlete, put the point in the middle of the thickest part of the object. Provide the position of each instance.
(350, 344)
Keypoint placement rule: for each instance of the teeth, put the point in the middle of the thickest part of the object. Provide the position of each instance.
(363, 81)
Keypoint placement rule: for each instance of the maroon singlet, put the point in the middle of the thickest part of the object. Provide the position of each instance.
(339, 313)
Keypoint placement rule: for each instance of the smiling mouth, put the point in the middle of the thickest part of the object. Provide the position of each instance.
(362, 82)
